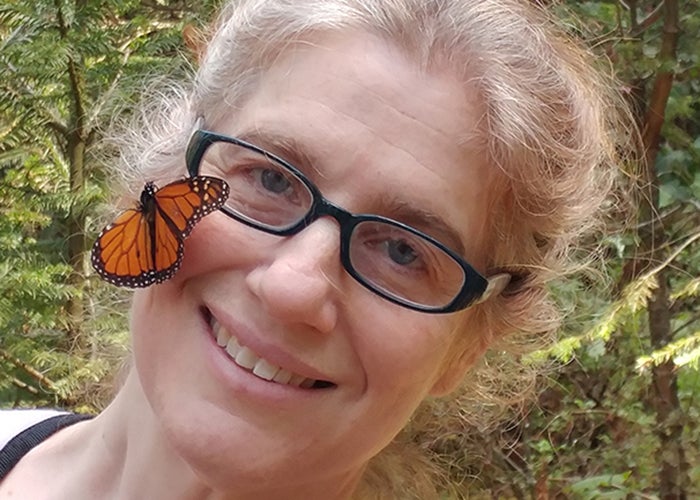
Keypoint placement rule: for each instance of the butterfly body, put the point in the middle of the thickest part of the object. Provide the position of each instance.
(145, 245)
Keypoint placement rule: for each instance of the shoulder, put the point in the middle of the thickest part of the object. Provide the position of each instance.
(13, 422)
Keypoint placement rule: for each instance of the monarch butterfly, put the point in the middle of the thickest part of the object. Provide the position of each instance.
(144, 245)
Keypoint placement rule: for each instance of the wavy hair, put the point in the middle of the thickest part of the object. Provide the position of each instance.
(553, 126)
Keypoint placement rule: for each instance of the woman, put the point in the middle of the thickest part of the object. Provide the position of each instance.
(299, 337)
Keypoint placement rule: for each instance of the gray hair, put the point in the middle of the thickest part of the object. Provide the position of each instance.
(552, 123)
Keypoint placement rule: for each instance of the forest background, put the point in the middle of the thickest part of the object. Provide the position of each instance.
(617, 419)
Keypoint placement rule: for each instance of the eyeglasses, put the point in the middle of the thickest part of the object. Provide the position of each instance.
(392, 259)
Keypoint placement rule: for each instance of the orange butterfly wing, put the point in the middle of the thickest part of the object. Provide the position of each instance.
(145, 245)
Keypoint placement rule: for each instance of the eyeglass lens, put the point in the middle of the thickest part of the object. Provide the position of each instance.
(387, 257)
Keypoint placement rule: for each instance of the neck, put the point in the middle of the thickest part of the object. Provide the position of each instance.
(124, 453)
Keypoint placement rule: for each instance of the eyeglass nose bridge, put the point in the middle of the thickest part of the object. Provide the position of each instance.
(474, 284)
(348, 222)
(323, 208)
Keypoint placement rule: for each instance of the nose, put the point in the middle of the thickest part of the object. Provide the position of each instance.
(298, 283)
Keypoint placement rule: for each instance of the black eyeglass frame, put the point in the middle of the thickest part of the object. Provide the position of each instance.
(474, 283)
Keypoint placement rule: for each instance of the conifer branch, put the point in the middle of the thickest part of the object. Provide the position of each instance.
(58, 127)
(29, 370)
(676, 252)
(649, 20)
(23, 385)
(42, 379)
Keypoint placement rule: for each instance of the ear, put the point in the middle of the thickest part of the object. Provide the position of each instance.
(456, 369)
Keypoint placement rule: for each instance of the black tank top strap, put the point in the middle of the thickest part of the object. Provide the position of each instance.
(23, 442)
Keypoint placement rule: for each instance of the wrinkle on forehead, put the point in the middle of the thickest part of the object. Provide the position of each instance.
(362, 89)
(382, 111)
(436, 86)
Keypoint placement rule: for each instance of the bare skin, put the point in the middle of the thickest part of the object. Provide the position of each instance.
(191, 424)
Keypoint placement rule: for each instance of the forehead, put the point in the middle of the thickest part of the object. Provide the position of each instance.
(376, 82)
(366, 119)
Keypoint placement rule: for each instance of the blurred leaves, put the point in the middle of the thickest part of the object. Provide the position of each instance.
(593, 434)
(598, 415)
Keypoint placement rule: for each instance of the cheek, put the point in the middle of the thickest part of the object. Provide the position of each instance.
(142, 315)
(219, 242)
(406, 355)
(162, 319)
(144, 336)
(402, 364)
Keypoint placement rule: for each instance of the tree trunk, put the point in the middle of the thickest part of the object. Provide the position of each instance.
(76, 144)
(77, 241)
(673, 467)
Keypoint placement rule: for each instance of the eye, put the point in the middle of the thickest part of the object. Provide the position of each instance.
(401, 252)
(274, 181)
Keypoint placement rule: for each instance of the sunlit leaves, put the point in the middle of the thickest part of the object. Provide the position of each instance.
(66, 67)
(609, 446)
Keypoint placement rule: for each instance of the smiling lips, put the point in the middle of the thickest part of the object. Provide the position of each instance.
(247, 359)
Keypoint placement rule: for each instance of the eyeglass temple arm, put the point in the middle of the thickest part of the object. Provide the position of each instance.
(496, 284)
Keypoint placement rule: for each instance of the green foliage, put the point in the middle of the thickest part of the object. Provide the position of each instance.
(605, 486)
(69, 69)
(594, 433)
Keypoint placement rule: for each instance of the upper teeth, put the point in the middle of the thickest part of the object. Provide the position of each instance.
(248, 359)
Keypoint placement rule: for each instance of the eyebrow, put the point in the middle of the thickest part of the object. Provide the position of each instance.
(285, 147)
(395, 208)
(425, 221)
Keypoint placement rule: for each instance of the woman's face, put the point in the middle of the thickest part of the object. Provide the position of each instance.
(376, 135)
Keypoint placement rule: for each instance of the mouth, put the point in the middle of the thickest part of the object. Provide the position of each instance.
(250, 361)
